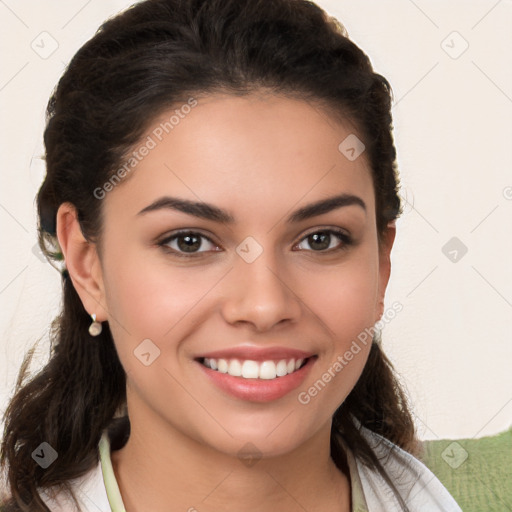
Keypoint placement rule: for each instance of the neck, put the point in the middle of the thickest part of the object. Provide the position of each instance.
(167, 467)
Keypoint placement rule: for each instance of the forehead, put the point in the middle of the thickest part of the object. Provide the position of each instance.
(258, 154)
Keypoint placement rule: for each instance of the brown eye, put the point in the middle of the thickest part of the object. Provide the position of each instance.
(319, 241)
(325, 241)
(188, 243)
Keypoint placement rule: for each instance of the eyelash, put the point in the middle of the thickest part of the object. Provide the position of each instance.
(341, 235)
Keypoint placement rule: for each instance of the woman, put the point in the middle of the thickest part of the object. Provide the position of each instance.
(221, 188)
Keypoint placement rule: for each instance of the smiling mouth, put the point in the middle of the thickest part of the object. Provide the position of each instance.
(249, 369)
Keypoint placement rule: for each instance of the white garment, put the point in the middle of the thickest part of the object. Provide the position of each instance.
(417, 485)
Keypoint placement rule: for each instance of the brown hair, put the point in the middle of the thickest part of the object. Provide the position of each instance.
(153, 55)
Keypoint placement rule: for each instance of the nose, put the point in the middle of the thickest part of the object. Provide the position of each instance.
(260, 295)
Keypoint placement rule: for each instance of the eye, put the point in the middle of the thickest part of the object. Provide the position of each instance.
(326, 240)
(188, 243)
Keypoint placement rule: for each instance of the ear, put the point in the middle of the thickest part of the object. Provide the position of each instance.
(82, 262)
(385, 266)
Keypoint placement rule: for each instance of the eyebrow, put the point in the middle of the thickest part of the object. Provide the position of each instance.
(214, 213)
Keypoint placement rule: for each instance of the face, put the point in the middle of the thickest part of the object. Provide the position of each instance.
(220, 245)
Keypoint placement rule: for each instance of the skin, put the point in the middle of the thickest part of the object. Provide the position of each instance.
(260, 158)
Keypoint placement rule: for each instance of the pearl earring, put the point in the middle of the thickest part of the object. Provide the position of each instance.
(96, 327)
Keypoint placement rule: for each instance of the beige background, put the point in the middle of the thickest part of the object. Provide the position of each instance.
(453, 107)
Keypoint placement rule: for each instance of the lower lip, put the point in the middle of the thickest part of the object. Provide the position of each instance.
(258, 390)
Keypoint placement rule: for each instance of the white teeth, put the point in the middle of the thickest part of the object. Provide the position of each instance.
(222, 365)
(267, 370)
(281, 369)
(248, 369)
(234, 368)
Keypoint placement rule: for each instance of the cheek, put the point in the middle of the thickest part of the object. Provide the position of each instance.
(152, 301)
(344, 301)
(345, 298)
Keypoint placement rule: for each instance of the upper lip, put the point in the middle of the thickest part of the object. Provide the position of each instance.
(258, 353)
